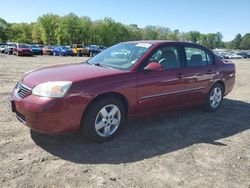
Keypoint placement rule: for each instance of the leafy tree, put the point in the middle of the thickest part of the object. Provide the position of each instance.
(193, 36)
(49, 24)
(53, 29)
(245, 42)
(36, 33)
(20, 32)
(134, 32)
(236, 42)
(150, 33)
(218, 40)
(3, 30)
(85, 30)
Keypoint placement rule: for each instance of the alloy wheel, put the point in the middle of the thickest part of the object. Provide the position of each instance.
(215, 97)
(107, 120)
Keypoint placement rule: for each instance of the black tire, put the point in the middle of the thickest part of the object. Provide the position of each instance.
(208, 103)
(89, 118)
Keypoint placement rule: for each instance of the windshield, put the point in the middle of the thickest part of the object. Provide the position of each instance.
(93, 47)
(121, 56)
(23, 46)
(66, 48)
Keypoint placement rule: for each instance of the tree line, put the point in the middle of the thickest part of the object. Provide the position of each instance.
(70, 29)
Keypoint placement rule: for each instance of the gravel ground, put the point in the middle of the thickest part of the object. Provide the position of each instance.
(186, 148)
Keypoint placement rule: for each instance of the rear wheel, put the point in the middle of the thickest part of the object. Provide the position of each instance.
(103, 119)
(214, 98)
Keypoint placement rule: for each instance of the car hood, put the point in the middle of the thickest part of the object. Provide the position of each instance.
(69, 72)
(36, 48)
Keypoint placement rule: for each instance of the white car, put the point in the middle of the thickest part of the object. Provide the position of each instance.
(235, 56)
(2, 48)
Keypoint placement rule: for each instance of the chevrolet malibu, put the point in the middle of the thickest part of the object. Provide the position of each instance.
(126, 80)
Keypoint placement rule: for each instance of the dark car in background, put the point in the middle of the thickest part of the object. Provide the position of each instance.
(22, 49)
(93, 50)
(62, 51)
(128, 79)
(36, 50)
(9, 48)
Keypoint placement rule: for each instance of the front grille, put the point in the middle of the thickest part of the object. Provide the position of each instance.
(22, 90)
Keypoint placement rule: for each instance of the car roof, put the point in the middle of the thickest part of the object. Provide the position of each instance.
(159, 41)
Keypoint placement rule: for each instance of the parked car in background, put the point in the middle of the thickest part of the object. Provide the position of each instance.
(79, 50)
(231, 55)
(9, 48)
(101, 48)
(48, 50)
(62, 51)
(22, 49)
(2, 48)
(97, 96)
(244, 54)
(93, 50)
(219, 55)
(236, 56)
(36, 50)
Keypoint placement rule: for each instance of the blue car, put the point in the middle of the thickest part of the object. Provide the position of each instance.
(36, 49)
(62, 51)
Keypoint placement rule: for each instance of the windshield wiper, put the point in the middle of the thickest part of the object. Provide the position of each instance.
(102, 65)
(99, 65)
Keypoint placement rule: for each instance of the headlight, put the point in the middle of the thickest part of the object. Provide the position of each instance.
(55, 89)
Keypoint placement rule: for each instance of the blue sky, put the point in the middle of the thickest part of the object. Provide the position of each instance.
(227, 16)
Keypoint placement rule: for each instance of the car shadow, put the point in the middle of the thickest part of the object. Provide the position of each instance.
(153, 136)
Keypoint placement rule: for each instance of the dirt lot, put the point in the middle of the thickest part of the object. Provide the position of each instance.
(188, 148)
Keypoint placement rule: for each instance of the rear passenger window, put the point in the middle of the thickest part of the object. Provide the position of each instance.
(197, 57)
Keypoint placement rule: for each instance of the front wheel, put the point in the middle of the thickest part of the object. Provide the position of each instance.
(103, 119)
(214, 98)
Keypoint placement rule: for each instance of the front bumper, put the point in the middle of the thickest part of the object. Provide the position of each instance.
(24, 53)
(36, 52)
(47, 115)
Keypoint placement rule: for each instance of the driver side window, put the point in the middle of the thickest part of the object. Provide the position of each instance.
(167, 57)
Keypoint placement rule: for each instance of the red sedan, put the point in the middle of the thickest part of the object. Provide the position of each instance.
(128, 79)
(22, 50)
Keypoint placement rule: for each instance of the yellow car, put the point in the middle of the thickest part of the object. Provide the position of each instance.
(79, 50)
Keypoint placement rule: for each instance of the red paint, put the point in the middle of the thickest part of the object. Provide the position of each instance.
(140, 89)
(22, 51)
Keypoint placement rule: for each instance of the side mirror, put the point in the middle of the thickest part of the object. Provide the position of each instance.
(153, 66)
